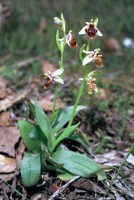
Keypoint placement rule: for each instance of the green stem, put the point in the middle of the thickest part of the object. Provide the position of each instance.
(57, 86)
(119, 170)
(88, 45)
(78, 98)
(54, 102)
(61, 59)
(81, 88)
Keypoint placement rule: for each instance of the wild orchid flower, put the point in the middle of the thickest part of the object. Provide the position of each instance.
(52, 77)
(70, 40)
(91, 86)
(93, 56)
(91, 29)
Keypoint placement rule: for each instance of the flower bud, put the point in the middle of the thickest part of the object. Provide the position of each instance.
(57, 21)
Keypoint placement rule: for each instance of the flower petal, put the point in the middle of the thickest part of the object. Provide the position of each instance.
(99, 33)
(68, 39)
(82, 31)
(58, 80)
(87, 59)
(88, 52)
(57, 72)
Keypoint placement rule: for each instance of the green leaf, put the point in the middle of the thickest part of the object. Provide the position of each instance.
(63, 116)
(66, 133)
(78, 164)
(30, 136)
(43, 121)
(65, 176)
(30, 169)
(41, 134)
(82, 141)
(31, 106)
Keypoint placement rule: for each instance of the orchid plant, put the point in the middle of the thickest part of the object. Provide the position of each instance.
(44, 136)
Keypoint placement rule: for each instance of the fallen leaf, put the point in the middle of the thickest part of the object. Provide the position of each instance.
(9, 137)
(48, 105)
(110, 159)
(19, 152)
(7, 164)
(131, 178)
(130, 159)
(86, 184)
(38, 196)
(7, 177)
(12, 99)
(5, 119)
(117, 195)
(3, 82)
(3, 93)
(123, 187)
(3, 89)
(26, 62)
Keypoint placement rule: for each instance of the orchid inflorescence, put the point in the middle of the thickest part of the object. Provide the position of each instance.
(91, 30)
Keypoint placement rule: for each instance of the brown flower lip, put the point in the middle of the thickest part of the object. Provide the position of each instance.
(72, 42)
(91, 30)
(48, 82)
(98, 61)
(91, 87)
